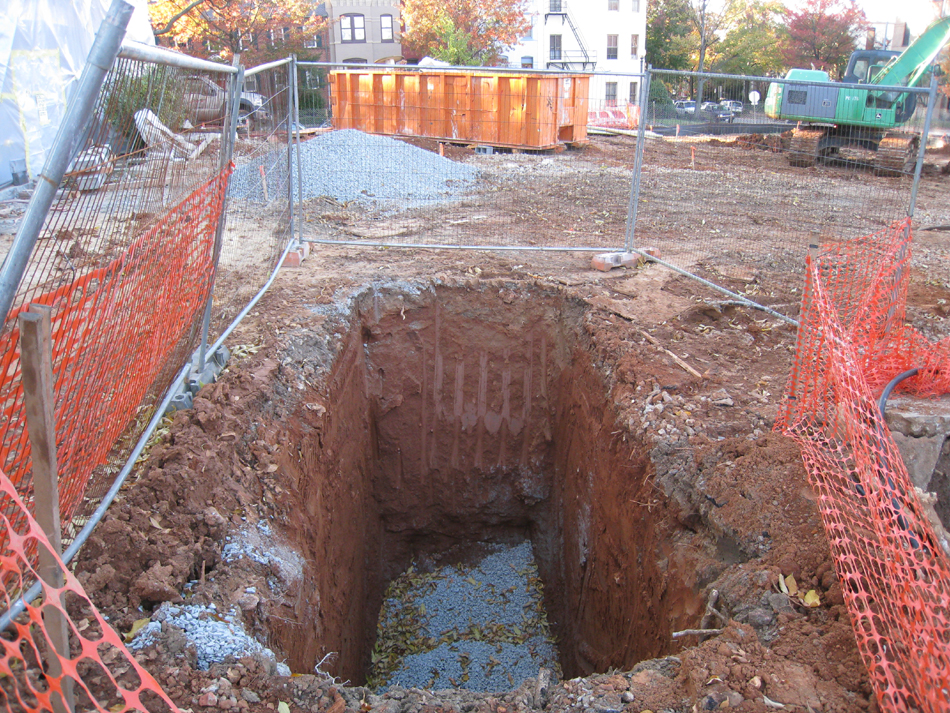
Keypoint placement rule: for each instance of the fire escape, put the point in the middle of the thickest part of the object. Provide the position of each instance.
(581, 59)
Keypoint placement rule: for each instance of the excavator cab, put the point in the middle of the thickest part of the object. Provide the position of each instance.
(864, 65)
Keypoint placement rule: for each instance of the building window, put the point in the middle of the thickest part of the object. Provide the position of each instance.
(529, 35)
(555, 6)
(555, 41)
(634, 99)
(612, 46)
(312, 43)
(386, 28)
(611, 95)
(636, 5)
(527, 62)
(352, 28)
(634, 46)
(613, 5)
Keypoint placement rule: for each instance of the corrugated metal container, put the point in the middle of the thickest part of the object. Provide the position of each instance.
(527, 111)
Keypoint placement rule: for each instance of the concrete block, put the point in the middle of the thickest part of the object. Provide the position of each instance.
(179, 402)
(608, 261)
(919, 418)
(221, 357)
(920, 456)
(292, 259)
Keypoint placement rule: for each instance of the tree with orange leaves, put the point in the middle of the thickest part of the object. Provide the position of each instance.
(260, 30)
(464, 31)
(823, 34)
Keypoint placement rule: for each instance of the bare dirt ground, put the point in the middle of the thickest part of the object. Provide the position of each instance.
(728, 499)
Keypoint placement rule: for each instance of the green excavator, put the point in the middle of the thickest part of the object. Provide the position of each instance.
(858, 124)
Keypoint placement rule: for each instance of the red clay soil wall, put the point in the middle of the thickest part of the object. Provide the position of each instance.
(611, 602)
(457, 417)
(337, 529)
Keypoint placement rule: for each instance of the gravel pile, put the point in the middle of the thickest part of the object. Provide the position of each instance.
(379, 172)
(249, 183)
(260, 544)
(216, 637)
(481, 628)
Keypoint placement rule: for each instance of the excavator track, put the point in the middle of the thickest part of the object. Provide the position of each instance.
(803, 149)
(896, 150)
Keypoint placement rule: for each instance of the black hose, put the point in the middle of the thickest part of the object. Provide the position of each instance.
(888, 482)
(882, 402)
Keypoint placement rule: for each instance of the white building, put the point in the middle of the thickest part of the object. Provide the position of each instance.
(584, 36)
(364, 31)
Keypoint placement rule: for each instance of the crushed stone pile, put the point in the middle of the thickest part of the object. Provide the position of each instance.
(481, 628)
(379, 172)
(216, 637)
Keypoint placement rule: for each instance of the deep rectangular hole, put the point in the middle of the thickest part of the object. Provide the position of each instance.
(461, 417)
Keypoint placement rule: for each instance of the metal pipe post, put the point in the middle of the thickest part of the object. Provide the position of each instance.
(228, 138)
(299, 168)
(922, 149)
(290, 148)
(160, 55)
(634, 203)
(67, 142)
(264, 67)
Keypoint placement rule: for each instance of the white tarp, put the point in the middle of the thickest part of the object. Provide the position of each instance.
(43, 47)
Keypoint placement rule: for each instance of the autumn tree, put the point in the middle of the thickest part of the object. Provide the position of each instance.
(823, 34)
(670, 43)
(260, 30)
(751, 45)
(474, 30)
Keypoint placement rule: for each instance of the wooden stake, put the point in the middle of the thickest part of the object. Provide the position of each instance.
(36, 369)
(655, 342)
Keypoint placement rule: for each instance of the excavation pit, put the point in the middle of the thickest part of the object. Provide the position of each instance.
(459, 420)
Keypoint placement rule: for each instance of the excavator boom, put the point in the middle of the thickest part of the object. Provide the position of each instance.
(907, 68)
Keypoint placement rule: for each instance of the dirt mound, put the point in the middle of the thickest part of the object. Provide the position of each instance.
(727, 500)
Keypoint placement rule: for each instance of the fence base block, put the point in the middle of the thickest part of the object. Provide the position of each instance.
(297, 255)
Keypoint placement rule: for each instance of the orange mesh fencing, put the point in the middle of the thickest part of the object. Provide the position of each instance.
(104, 675)
(894, 575)
(119, 332)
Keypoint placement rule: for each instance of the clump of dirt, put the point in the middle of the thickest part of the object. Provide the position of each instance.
(377, 426)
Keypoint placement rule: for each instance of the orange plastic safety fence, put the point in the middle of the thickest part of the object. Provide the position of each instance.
(104, 676)
(114, 331)
(894, 575)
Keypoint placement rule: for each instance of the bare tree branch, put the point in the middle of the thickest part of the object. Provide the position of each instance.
(171, 23)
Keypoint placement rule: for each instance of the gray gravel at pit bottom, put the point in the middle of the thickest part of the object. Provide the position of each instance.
(379, 172)
(475, 614)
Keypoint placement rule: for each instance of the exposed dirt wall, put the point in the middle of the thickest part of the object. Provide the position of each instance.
(328, 451)
(459, 417)
(611, 608)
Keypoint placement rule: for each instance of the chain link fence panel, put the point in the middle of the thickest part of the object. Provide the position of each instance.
(463, 158)
(810, 184)
(257, 227)
(125, 261)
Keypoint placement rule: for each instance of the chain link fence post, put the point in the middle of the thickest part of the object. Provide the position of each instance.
(228, 137)
(296, 100)
(291, 69)
(633, 205)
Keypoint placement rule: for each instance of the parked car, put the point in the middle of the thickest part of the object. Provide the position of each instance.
(204, 102)
(685, 107)
(734, 106)
(717, 113)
